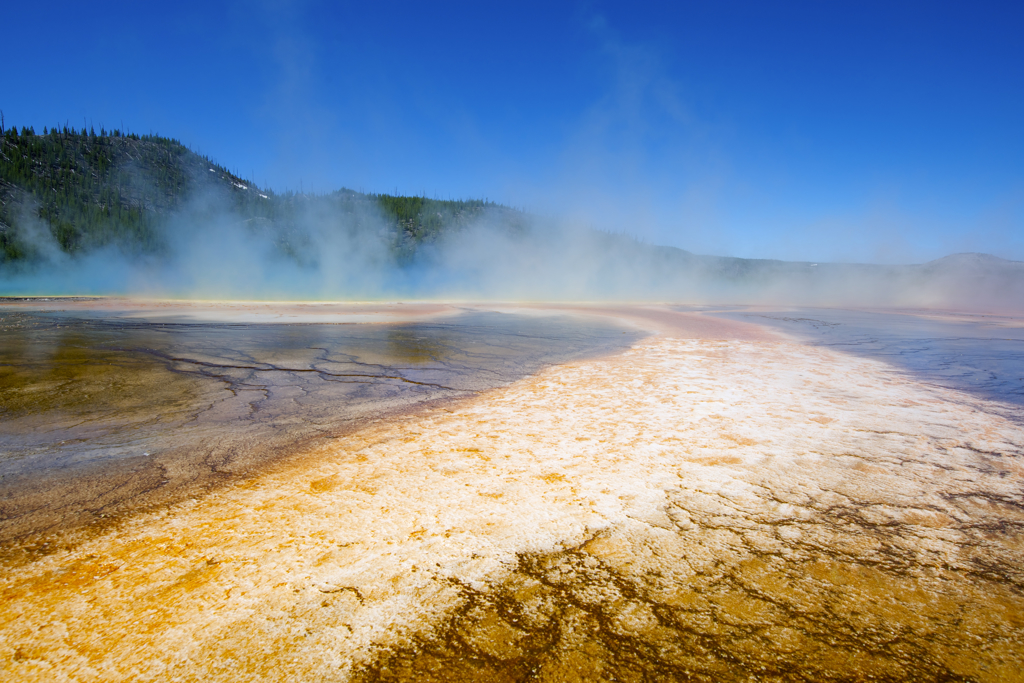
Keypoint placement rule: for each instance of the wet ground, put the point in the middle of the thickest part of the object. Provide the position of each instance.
(103, 414)
(978, 353)
(705, 506)
(807, 518)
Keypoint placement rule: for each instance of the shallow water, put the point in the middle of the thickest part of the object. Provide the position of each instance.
(980, 354)
(706, 509)
(101, 413)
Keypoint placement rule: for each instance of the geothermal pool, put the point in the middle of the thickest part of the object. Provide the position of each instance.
(106, 410)
(671, 494)
(982, 354)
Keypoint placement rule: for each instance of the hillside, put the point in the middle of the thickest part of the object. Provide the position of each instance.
(88, 190)
(175, 222)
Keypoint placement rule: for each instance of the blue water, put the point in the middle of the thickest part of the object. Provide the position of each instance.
(982, 355)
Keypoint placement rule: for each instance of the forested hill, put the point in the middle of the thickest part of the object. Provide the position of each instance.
(88, 189)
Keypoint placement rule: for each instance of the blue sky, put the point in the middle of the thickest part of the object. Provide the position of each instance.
(859, 131)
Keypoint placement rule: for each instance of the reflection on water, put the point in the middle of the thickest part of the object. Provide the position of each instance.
(101, 415)
(982, 355)
(65, 392)
(410, 346)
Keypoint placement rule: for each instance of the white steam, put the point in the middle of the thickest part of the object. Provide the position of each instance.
(345, 251)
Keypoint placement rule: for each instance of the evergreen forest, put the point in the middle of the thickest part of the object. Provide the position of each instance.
(89, 189)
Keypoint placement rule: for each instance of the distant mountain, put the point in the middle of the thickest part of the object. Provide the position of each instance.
(88, 190)
(973, 260)
(969, 280)
(173, 221)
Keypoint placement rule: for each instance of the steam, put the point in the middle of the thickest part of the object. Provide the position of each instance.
(342, 248)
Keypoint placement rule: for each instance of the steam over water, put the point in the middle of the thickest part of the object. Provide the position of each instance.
(713, 503)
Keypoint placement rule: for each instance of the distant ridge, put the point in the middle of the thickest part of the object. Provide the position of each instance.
(90, 213)
(975, 259)
(90, 190)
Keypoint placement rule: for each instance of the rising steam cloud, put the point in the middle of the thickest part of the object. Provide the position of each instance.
(324, 253)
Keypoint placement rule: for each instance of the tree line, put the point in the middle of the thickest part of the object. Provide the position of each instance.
(91, 189)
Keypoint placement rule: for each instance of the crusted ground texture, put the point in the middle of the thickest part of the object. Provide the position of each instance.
(687, 510)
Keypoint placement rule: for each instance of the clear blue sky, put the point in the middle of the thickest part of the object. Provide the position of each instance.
(863, 131)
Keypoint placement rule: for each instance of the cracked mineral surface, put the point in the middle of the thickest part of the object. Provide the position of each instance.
(731, 508)
(105, 414)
